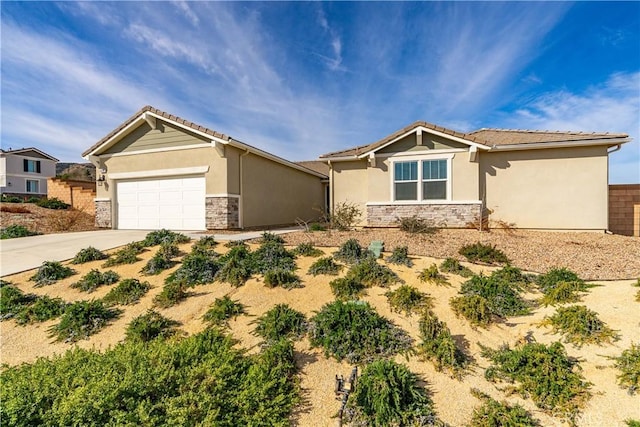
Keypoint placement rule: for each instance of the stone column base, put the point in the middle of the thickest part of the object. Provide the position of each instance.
(445, 215)
(103, 214)
(222, 213)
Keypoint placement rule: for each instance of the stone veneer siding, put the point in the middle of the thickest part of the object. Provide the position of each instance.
(222, 213)
(450, 215)
(103, 214)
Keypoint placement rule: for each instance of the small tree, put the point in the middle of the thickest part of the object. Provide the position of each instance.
(345, 215)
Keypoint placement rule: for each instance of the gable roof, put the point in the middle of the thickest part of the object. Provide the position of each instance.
(490, 139)
(315, 165)
(30, 152)
(140, 116)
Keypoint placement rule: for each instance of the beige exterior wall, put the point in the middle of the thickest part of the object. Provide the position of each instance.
(350, 183)
(275, 194)
(165, 135)
(563, 188)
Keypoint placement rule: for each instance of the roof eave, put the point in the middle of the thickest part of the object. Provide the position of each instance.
(560, 144)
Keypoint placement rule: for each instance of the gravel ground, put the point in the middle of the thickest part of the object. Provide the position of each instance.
(594, 256)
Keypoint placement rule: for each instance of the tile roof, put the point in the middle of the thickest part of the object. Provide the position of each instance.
(25, 150)
(315, 165)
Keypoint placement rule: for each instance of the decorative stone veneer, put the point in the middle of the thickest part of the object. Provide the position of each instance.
(450, 215)
(222, 213)
(103, 214)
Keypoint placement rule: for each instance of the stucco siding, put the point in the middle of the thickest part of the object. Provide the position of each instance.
(351, 184)
(429, 142)
(164, 136)
(274, 194)
(549, 189)
(465, 184)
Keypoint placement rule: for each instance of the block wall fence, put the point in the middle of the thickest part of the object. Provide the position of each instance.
(624, 209)
(78, 194)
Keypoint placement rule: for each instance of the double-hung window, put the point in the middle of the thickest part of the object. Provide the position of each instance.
(420, 180)
(33, 186)
(31, 165)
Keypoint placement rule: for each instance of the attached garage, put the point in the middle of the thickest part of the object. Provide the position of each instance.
(151, 204)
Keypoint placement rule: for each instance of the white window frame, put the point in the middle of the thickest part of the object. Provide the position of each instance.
(34, 163)
(37, 183)
(408, 181)
(420, 158)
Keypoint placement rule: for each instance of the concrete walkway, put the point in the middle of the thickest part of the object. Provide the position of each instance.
(26, 253)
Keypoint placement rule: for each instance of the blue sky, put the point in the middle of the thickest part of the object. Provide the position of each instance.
(302, 79)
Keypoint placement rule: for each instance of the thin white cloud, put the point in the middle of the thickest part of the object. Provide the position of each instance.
(184, 7)
(333, 62)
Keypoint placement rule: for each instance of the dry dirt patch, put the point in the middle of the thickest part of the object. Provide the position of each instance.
(46, 221)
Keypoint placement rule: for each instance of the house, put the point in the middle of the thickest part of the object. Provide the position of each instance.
(24, 172)
(520, 178)
(157, 170)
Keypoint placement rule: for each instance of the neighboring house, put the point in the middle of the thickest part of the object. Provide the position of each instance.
(157, 170)
(25, 171)
(521, 178)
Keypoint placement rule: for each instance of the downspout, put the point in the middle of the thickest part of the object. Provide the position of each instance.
(241, 201)
(616, 148)
(331, 191)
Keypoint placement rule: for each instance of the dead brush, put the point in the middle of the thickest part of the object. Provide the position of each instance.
(64, 220)
(14, 209)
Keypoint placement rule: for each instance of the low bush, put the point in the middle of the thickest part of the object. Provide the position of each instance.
(280, 322)
(283, 278)
(416, 225)
(150, 326)
(544, 373)
(370, 273)
(235, 266)
(314, 226)
(165, 236)
(345, 216)
(126, 255)
(161, 260)
(432, 275)
(452, 265)
(13, 300)
(579, 325)
(355, 332)
(563, 292)
(11, 199)
(43, 308)
(128, 292)
(50, 272)
(628, 363)
(351, 252)
(15, 231)
(87, 255)
(481, 253)
(347, 288)
(632, 423)
(197, 268)
(389, 394)
(204, 244)
(493, 413)
(271, 255)
(53, 203)
(94, 279)
(437, 344)
(408, 299)
(400, 256)
(325, 265)
(222, 310)
(307, 249)
(474, 308)
(554, 276)
(173, 292)
(81, 320)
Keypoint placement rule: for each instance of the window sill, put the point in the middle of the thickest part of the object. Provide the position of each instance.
(426, 202)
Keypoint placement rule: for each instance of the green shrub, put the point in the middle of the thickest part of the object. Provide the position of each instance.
(579, 325)
(632, 423)
(43, 309)
(415, 225)
(271, 255)
(53, 203)
(13, 300)
(355, 332)
(325, 265)
(370, 273)
(503, 298)
(474, 308)
(50, 272)
(544, 373)
(4, 283)
(432, 275)
(493, 413)
(173, 292)
(11, 199)
(314, 226)
(563, 292)
(388, 393)
(222, 310)
(161, 260)
(32, 199)
(87, 255)
(307, 249)
(452, 265)
(197, 268)
(628, 363)
(347, 288)
(283, 278)
(344, 216)
(128, 292)
(268, 237)
(204, 244)
(408, 299)
(487, 254)
(95, 278)
(400, 256)
(149, 326)
(200, 380)
(165, 236)
(280, 322)
(126, 255)
(554, 276)
(81, 320)
(351, 252)
(235, 266)
(15, 231)
(437, 344)
(168, 250)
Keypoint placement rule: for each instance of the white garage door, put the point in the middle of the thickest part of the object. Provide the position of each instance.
(172, 203)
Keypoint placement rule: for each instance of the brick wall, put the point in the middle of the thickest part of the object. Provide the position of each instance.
(624, 209)
(450, 215)
(79, 194)
(222, 213)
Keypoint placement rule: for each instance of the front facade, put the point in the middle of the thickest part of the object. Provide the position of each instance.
(157, 170)
(523, 179)
(24, 172)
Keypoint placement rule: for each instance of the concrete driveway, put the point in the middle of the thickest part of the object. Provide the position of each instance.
(26, 253)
